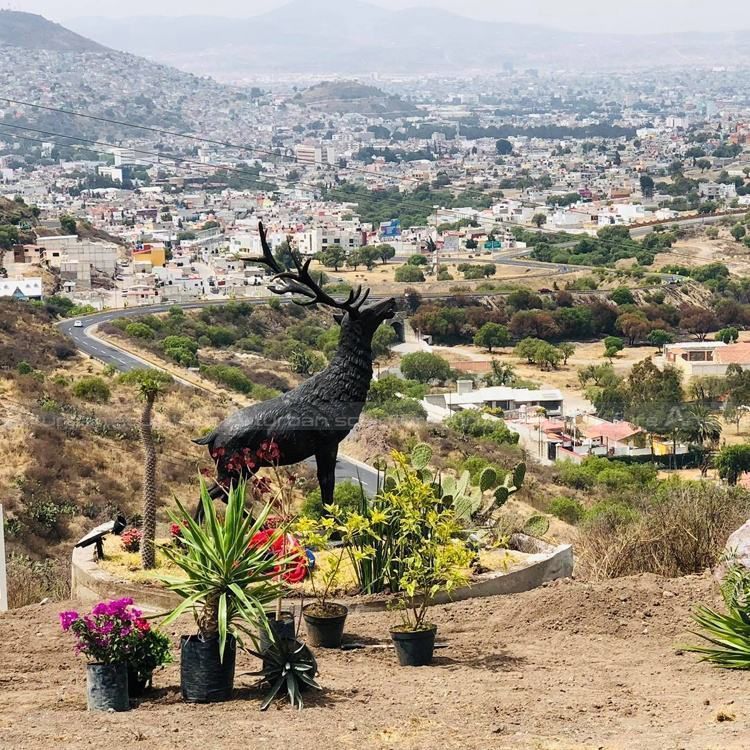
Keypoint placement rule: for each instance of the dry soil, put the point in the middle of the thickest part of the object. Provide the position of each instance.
(570, 665)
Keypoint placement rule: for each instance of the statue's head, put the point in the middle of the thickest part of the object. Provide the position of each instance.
(366, 320)
(352, 314)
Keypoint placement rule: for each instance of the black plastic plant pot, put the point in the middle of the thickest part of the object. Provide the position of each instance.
(204, 677)
(414, 648)
(107, 687)
(283, 627)
(325, 629)
(138, 686)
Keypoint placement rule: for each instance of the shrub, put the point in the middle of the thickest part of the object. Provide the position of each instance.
(423, 366)
(139, 331)
(30, 581)
(409, 274)
(231, 377)
(408, 408)
(24, 368)
(92, 388)
(674, 529)
(131, 540)
(347, 496)
(567, 509)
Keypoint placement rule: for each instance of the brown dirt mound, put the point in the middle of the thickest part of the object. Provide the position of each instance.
(570, 665)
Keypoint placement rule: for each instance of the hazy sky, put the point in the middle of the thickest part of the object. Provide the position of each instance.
(633, 16)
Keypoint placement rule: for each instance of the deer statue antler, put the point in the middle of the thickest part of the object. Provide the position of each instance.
(301, 281)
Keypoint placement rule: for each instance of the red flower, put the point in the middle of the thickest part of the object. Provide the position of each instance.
(269, 451)
(284, 546)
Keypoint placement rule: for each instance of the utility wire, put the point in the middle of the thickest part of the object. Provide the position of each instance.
(199, 139)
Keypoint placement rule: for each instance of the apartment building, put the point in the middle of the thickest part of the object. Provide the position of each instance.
(317, 240)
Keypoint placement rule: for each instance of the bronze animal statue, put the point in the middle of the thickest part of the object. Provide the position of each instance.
(315, 417)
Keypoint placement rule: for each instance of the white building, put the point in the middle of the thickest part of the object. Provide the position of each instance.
(317, 240)
(510, 400)
(715, 191)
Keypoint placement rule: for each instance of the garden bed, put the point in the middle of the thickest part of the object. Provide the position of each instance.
(527, 563)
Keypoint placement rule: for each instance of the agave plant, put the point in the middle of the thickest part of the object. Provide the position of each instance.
(728, 635)
(229, 579)
(287, 665)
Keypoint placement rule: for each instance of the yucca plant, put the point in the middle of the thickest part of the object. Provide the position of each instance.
(290, 666)
(230, 580)
(728, 635)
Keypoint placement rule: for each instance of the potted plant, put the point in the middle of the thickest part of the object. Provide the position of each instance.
(228, 583)
(152, 650)
(324, 619)
(107, 636)
(433, 560)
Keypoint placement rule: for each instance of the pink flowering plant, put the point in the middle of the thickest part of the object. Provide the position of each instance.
(115, 632)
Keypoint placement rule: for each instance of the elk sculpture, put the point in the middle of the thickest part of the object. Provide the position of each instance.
(315, 417)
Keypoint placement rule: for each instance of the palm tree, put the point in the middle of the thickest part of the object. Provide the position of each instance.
(702, 429)
(150, 384)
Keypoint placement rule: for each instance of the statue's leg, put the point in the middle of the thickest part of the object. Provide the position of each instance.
(325, 458)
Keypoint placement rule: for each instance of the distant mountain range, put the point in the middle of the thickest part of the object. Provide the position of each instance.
(354, 37)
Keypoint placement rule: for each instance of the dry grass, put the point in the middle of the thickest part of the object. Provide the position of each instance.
(677, 530)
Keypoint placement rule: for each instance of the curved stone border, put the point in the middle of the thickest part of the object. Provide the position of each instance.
(90, 583)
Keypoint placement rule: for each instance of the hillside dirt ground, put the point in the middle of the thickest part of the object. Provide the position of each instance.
(570, 665)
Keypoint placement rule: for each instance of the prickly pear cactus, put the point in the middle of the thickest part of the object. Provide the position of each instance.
(487, 479)
(421, 455)
(536, 526)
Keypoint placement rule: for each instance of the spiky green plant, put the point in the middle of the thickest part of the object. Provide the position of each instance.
(728, 635)
(287, 665)
(229, 580)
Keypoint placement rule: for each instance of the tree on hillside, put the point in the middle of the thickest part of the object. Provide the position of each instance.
(612, 346)
(732, 462)
(728, 335)
(539, 220)
(738, 232)
(647, 186)
(383, 339)
(504, 147)
(567, 350)
(659, 338)
(386, 252)
(68, 224)
(424, 367)
(622, 296)
(492, 335)
(283, 255)
(635, 326)
(697, 320)
(333, 257)
(150, 384)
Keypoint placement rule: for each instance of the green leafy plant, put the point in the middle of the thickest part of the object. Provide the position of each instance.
(230, 577)
(317, 534)
(432, 560)
(728, 635)
(287, 664)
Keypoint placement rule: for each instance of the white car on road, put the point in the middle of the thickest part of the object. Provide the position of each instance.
(78, 324)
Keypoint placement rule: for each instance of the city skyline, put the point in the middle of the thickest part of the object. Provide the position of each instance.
(639, 16)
